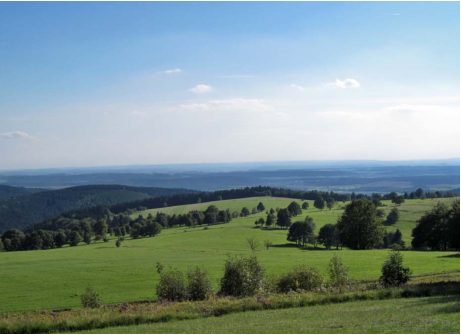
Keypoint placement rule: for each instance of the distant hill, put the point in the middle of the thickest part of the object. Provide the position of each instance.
(21, 211)
(7, 191)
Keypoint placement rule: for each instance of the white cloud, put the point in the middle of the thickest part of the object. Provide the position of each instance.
(16, 135)
(201, 88)
(229, 105)
(347, 83)
(172, 71)
(299, 88)
(406, 108)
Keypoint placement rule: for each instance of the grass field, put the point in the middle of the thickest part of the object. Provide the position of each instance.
(416, 315)
(52, 279)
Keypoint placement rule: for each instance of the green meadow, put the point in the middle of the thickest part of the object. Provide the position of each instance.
(54, 279)
(405, 316)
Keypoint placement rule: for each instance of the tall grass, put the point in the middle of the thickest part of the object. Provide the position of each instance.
(154, 312)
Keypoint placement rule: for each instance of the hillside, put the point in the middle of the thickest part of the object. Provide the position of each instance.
(24, 210)
(55, 278)
(7, 191)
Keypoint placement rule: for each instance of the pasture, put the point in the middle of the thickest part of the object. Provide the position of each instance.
(53, 279)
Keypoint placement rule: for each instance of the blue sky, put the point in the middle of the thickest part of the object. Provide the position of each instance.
(92, 84)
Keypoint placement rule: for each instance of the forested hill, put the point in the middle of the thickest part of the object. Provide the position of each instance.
(7, 191)
(21, 211)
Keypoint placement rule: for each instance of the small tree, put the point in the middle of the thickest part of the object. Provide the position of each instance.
(267, 244)
(393, 216)
(305, 205)
(87, 238)
(75, 238)
(172, 286)
(253, 243)
(283, 218)
(319, 203)
(398, 200)
(330, 203)
(261, 207)
(118, 243)
(198, 285)
(301, 278)
(294, 208)
(245, 211)
(90, 299)
(242, 277)
(338, 273)
(393, 272)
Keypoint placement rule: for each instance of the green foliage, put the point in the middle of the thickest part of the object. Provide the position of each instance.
(319, 203)
(172, 286)
(260, 207)
(283, 218)
(359, 226)
(300, 279)
(90, 299)
(242, 277)
(305, 205)
(294, 208)
(245, 211)
(398, 200)
(330, 203)
(299, 232)
(338, 273)
(393, 216)
(118, 243)
(198, 285)
(328, 235)
(75, 238)
(393, 272)
(267, 244)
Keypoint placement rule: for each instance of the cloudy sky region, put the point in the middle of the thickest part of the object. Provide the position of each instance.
(93, 84)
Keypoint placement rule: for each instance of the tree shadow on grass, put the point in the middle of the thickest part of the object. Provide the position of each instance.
(300, 247)
(449, 256)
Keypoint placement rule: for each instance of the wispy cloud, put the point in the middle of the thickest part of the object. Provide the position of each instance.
(299, 87)
(347, 83)
(229, 105)
(17, 135)
(172, 71)
(201, 88)
(406, 108)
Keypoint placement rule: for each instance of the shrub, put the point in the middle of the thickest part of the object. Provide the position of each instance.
(198, 286)
(242, 277)
(338, 273)
(395, 247)
(90, 299)
(172, 286)
(301, 278)
(267, 244)
(393, 272)
(118, 243)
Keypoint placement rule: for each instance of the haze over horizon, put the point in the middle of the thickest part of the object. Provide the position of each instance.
(185, 83)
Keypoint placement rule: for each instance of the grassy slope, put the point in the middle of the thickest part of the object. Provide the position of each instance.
(417, 315)
(56, 278)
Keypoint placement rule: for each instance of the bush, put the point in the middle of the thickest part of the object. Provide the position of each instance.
(118, 243)
(242, 277)
(198, 286)
(393, 272)
(90, 299)
(172, 286)
(395, 247)
(338, 273)
(302, 278)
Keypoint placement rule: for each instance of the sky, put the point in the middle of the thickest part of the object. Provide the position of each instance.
(95, 84)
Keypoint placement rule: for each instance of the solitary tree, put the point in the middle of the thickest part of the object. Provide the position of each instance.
(398, 200)
(253, 243)
(319, 203)
(305, 205)
(359, 226)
